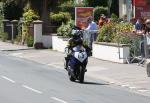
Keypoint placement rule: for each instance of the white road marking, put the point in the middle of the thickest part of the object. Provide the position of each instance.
(132, 87)
(31, 89)
(15, 54)
(59, 100)
(126, 85)
(6, 78)
(142, 90)
(54, 65)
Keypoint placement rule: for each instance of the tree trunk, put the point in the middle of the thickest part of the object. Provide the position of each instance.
(45, 17)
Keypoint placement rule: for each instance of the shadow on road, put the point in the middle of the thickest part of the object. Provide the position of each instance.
(94, 83)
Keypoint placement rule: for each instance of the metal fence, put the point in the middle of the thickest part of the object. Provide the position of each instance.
(139, 49)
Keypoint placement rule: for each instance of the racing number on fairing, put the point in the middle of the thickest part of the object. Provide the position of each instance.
(81, 56)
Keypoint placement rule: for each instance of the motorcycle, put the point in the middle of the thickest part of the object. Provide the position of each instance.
(78, 58)
(77, 63)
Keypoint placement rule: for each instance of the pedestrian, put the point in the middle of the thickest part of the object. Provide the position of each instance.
(144, 32)
(91, 31)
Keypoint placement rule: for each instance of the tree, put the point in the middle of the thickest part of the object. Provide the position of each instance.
(43, 7)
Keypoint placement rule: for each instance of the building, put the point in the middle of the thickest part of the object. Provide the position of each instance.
(134, 8)
(125, 9)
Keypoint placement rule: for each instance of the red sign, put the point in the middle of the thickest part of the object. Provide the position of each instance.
(142, 8)
(140, 2)
(81, 15)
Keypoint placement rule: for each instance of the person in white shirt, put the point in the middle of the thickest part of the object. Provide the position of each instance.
(91, 30)
(91, 24)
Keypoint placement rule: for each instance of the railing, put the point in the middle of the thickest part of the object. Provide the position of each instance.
(140, 49)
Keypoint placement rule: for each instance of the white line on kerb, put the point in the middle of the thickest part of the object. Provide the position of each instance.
(6, 78)
(59, 100)
(34, 90)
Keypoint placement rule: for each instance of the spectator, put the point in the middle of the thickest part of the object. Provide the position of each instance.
(101, 21)
(91, 24)
(144, 33)
(91, 29)
(139, 25)
(133, 22)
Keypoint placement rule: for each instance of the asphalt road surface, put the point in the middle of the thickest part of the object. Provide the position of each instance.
(23, 81)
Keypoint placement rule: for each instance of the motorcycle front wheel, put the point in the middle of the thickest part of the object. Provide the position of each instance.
(81, 75)
(71, 77)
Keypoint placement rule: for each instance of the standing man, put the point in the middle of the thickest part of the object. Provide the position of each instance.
(91, 31)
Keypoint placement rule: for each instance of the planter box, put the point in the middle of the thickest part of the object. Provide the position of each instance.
(105, 51)
(59, 43)
(111, 52)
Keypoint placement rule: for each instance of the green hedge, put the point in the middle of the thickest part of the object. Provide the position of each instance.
(58, 18)
(65, 29)
(116, 32)
(4, 36)
(30, 41)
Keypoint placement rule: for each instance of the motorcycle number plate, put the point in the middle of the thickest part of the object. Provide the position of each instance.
(81, 56)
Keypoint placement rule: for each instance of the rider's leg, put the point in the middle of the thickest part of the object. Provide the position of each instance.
(67, 61)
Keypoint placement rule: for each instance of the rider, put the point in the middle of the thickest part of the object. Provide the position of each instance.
(74, 41)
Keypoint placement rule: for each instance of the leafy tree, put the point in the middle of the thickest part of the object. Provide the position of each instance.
(42, 6)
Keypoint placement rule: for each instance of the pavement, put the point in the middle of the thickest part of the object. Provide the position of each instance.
(129, 76)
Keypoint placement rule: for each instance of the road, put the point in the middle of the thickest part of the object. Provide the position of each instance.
(23, 81)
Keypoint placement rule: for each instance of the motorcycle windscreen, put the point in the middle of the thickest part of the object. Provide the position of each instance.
(78, 48)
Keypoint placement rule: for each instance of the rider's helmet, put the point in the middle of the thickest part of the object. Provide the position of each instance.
(76, 33)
